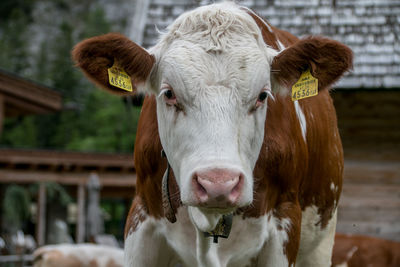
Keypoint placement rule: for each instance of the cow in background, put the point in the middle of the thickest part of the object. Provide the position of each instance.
(239, 156)
(365, 251)
(78, 255)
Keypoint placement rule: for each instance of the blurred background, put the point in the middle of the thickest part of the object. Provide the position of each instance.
(66, 164)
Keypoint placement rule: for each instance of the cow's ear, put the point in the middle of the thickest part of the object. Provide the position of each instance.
(97, 54)
(326, 59)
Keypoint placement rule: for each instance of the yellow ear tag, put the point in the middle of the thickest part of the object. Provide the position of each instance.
(119, 78)
(305, 87)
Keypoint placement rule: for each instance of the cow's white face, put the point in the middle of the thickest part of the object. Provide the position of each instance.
(212, 81)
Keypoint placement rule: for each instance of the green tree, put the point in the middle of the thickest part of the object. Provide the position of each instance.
(95, 23)
(7, 7)
(15, 208)
(106, 124)
(13, 46)
(91, 120)
(20, 132)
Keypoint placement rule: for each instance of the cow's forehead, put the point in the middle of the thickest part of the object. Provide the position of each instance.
(217, 45)
(215, 27)
(187, 65)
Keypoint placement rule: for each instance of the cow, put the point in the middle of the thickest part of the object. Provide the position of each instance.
(230, 170)
(361, 251)
(78, 255)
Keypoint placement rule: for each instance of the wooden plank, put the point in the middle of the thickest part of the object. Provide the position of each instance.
(17, 107)
(387, 230)
(368, 214)
(66, 178)
(371, 172)
(41, 216)
(374, 203)
(1, 113)
(371, 190)
(370, 125)
(29, 91)
(95, 160)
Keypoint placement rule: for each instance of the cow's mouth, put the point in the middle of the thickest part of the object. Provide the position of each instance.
(206, 209)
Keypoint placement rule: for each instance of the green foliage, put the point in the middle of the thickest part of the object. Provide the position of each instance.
(15, 207)
(108, 124)
(7, 7)
(20, 132)
(115, 213)
(42, 70)
(13, 45)
(91, 120)
(64, 76)
(54, 193)
(96, 23)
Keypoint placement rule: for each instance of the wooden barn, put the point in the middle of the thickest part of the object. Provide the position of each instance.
(367, 100)
(114, 174)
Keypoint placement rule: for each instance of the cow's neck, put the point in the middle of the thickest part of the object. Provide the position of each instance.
(205, 254)
(221, 227)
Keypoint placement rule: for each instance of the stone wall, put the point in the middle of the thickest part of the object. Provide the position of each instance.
(371, 28)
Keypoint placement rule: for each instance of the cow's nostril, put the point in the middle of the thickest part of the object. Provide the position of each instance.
(235, 193)
(200, 191)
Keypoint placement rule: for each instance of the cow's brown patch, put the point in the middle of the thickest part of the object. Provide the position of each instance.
(327, 60)
(55, 258)
(112, 263)
(361, 251)
(95, 55)
(271, 38)
(93, 263)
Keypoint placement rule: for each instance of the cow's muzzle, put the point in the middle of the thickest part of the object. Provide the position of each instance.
(217, 188)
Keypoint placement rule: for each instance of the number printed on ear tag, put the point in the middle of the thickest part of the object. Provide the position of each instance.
(305, 87)
(119, 78)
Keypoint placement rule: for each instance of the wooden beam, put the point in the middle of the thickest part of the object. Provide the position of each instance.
(85, 160)
(19, 107)
(80, 224)
(41, 216)
(1, 113)
(29, 91)
(66, 178)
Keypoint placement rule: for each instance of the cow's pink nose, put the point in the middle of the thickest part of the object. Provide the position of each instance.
(218, 188)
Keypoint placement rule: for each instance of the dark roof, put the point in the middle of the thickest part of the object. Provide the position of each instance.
(23, 97)
(370, 27)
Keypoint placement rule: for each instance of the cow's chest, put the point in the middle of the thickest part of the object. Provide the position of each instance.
(243, 247)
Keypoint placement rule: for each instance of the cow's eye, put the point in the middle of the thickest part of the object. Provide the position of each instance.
(262, 96)
(169, 95)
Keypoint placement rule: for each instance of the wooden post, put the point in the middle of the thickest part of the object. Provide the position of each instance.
(95, 223)
(80, 224)
(41, 216)
(1, 113)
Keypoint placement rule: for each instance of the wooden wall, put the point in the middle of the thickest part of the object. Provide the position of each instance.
(369, 123)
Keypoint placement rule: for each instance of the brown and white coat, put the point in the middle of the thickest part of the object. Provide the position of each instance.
(220, 107)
